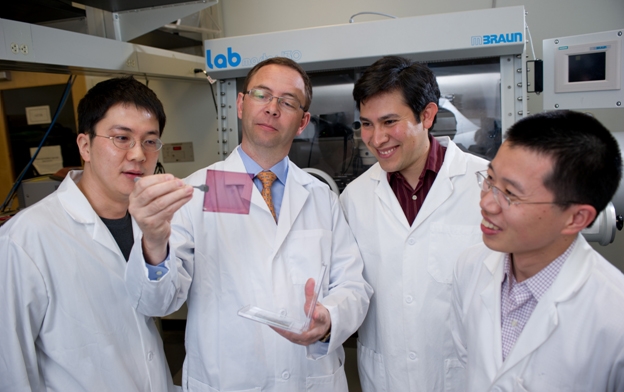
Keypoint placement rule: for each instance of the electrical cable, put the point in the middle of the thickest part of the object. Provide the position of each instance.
(13, 191)
(214, 100)
(212, 81)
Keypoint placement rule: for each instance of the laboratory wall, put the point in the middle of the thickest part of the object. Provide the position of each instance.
(546, 19)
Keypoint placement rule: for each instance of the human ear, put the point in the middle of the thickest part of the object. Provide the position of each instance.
(581, 217)
(428, 115)
(304, 122)
(84, 146)
(239, 105)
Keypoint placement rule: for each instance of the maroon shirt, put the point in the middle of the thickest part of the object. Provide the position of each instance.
(412, 199)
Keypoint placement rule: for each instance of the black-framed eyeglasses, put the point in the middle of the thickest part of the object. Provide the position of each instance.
(502, 199)
(286, 103)
(151, 144)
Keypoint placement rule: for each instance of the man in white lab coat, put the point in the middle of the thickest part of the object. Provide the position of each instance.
(536, 308)
(412, 214)
(220, 262)
(66, 321)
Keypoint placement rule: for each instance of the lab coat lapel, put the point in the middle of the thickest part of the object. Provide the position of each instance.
(545, 318)
(78, 207)
(295, 196)
(387, 196)
(491, 299)
(541, 324)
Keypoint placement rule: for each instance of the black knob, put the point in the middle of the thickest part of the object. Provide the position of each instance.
(619, 222)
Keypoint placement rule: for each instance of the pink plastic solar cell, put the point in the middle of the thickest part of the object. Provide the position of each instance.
(228, 192)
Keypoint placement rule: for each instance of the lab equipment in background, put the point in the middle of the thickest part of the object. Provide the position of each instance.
(479, 64)
(604, 227)
(584, 71)
(8, 200)
(32, 190)
(321, 175)
(366, 156)
(280, 320)
(618, 199)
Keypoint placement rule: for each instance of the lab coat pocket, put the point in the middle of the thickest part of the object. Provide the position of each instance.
(372, 370)
(198, 386)
(454, 375)
(336, 382)
(306, 250)
(447, 243)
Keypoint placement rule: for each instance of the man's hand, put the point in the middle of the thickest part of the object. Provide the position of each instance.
(153, 202)
(319, 325)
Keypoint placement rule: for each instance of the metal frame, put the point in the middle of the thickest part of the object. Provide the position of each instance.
(126, 25)
(227, 128)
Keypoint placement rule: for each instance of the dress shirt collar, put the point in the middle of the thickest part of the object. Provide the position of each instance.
(539, 283)
(280, 168)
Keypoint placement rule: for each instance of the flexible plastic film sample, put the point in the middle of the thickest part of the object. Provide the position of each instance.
(229, 192)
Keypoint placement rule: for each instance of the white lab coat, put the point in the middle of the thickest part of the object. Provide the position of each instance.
(405, 341)
(225, 261)
(573, 341)
(66, 323)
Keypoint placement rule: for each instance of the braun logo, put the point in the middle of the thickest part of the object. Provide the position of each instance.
(494, 39)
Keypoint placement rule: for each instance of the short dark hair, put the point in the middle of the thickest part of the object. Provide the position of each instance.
(587, 160)
(416, 82)
(287, 63)
(126, 91)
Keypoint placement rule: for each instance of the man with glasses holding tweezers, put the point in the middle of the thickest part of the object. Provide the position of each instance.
(66, 321)
(220, 262)
(536, 308)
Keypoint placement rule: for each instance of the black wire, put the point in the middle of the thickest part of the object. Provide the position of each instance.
(214, 100)
(199, 70)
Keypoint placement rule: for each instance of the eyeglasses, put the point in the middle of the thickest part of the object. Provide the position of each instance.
(126, 143)
(502, 199)
(286, 103)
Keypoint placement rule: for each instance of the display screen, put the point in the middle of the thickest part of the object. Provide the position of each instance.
(587, 67)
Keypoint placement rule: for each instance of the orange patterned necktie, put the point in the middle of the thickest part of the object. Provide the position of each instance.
(267, 178)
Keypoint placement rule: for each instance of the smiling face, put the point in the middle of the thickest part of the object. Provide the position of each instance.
(109, 171)
(536, 233)
(268, 130)
(394, 137)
